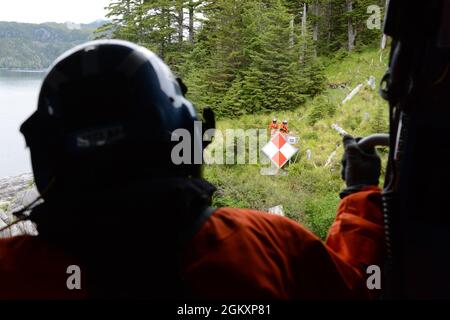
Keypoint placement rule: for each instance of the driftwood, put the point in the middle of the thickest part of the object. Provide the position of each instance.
(330, 158)
(341, 131)
(353, 93)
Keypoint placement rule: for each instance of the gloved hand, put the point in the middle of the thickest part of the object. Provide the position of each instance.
(360, 168)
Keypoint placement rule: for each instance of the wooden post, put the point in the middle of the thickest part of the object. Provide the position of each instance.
(308, 154)
(372, 82)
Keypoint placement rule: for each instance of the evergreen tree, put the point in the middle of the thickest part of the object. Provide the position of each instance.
(273, 79)
(251, 58)
(379, 122)
(219, 53)
(122, 14)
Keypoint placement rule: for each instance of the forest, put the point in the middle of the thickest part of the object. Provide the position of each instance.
(241, 57)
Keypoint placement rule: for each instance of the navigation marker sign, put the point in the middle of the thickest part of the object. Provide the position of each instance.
(279, 151)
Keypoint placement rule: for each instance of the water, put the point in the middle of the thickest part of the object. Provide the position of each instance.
(18, 100)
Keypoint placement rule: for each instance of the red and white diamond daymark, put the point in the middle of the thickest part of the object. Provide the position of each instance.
(278, 150)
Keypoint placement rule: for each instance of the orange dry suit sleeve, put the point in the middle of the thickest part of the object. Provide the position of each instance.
(355, 241)
(357, 235)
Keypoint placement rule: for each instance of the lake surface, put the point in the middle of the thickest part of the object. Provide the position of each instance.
(18, 99)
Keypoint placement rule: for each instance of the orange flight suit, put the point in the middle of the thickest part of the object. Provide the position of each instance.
(284, 128)
(237, 254)
(273, 126)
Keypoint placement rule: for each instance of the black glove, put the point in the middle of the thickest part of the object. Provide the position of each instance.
(360, 168)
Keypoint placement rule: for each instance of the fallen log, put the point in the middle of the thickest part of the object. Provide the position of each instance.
(353, 93)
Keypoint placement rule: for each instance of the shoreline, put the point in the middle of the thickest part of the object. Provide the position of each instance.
(16, 193)
(18, 70)
(9, 177)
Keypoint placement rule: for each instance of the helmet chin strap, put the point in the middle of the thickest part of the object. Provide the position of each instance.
(20, 214)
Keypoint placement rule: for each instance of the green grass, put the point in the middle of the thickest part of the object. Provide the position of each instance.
(309, 194)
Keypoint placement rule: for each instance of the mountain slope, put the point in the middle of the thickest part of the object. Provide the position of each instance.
(36, 46)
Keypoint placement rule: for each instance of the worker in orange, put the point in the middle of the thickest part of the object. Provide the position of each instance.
(273, 126)
(284, 129)
(121, 219)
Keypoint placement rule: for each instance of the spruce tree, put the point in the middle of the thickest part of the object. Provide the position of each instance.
(273, 79)
(218, 56)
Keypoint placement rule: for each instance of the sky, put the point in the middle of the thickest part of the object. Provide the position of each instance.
(38, 11)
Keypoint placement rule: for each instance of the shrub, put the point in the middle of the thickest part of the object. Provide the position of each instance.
(322, 108)
(320, 212)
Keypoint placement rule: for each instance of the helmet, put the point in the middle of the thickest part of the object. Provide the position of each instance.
(285, 121)
(275, 120)
(108, 109)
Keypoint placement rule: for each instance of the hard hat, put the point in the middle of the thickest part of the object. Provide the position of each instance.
(108, 108)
